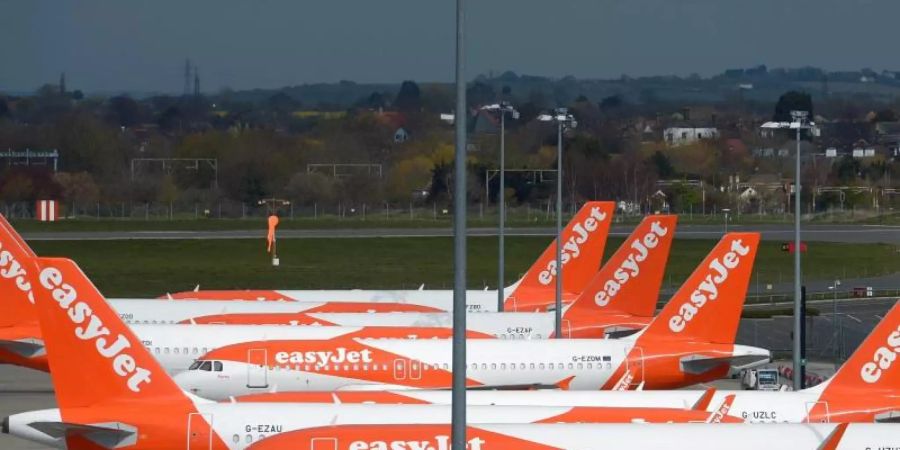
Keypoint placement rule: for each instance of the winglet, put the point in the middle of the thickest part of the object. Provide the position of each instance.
(707, 307)
(88, 344)
(564, 383)
(584, 240)
(834, 438)
(704, 400)
(630, 280)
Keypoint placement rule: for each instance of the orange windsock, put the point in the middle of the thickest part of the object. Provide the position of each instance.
(270, 238)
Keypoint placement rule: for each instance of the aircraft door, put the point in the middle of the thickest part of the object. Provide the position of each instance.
(199, 431)
(323, 443)
(415, 370)
(400, 366)
(636, 366)
(257, 370)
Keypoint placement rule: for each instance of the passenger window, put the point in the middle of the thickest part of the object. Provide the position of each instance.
(483, 366)
(522, 366)
(194, 350)
(532, 366)
(541, 366)
(249, 439)
(493, 366)
(236, 439)
(503, 366)
(571, 366)
(590, 366)
(580, 366)
(166, 350)
(175, 350)
(218, 366)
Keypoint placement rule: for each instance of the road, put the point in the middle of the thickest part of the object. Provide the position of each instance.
(824, 233)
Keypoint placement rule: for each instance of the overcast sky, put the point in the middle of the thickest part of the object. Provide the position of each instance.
(115, 45)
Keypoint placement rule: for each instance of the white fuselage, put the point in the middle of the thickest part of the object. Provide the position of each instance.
(751, 406)
(240, 426)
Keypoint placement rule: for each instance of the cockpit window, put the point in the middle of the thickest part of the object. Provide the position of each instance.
(207, 366)
(195, 365)
(217, 366)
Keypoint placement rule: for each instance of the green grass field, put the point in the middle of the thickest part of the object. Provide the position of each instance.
(153, 267)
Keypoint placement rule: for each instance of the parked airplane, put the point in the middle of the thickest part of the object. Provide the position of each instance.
(619, 300)
(133, 403)
(685, 345)
(583, 240)
(865, 389)
(20, 339)
(690, 341)
(591, 437)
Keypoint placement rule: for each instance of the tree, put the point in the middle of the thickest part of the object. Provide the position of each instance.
(308, 188)
(78, 187)
(792, 101)
(124, 111)
(662, 165)
(480, 94)
(409, 97)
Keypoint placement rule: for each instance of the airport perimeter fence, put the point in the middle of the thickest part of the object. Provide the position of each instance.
(538, 212)
(829, 338)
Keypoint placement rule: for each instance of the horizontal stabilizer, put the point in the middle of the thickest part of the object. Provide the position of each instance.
(26, 348)
(106, 435)
(888, 417)
(698, 364)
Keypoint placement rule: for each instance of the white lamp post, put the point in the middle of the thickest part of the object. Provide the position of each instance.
(502, 108)
(800, 121)
(563, 120)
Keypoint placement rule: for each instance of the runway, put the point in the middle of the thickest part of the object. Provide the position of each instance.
(780, 232)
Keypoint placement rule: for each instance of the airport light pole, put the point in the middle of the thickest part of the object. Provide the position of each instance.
(800, 121)
(458, 395)
(502, 108)
(563, 121)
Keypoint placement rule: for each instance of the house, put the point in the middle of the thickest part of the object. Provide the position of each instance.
(685, 134)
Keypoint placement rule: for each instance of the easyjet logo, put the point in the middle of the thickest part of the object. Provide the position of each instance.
(631, 266)
(91, 328)
(719, 269)
(572, 247)
(437, 443)
(882, 359)
(321, 358)
(11, 269)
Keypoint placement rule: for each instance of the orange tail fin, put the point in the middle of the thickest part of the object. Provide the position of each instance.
(583, 242)
(875, 365)
(630, 280)
(94, 357)
(707, 307)
(16, 293)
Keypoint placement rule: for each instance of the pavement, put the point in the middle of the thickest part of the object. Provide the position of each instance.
(771, 232)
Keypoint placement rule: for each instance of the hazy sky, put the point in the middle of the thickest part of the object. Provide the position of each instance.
(114, 45)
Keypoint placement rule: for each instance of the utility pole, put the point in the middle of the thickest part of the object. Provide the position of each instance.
(458, 399)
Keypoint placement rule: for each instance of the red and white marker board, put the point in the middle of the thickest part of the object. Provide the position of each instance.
(47, 210)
